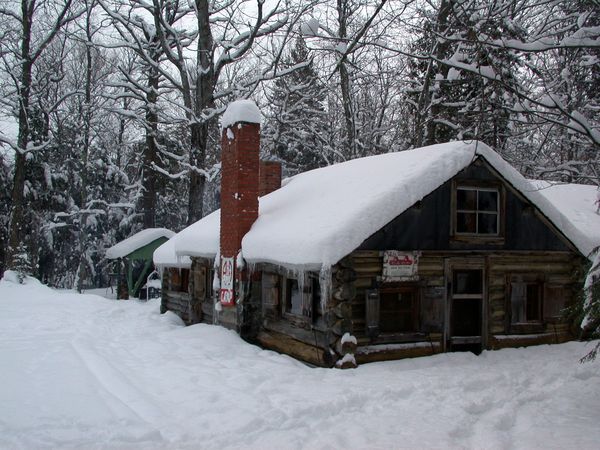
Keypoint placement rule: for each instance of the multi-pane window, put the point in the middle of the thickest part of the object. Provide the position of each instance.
(477, 211)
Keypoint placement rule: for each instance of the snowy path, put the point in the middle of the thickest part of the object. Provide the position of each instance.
(80, 371)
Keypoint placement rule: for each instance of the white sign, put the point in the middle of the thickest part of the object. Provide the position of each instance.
(400, 266)
(227, 293)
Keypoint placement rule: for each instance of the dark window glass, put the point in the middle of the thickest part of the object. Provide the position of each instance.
(533, 302)
(488, 223)
(487, 201)
(468, 281)
(466, 199)
(466, 317)
(316, 296)
(466, 222)
(397, 311)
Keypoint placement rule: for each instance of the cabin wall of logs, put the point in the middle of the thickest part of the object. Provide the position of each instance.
(323, 319)
(558, 275)
(188, 292)
(306, 316)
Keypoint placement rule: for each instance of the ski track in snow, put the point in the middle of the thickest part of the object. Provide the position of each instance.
(80, 371)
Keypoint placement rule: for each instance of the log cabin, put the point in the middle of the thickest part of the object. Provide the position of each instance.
(413, 253)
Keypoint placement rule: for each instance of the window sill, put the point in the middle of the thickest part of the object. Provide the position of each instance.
(474, 238)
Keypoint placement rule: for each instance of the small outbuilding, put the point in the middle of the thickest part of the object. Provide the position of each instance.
(134, 257)
(442, 248)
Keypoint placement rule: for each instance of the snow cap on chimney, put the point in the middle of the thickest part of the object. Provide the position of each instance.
(240, 111)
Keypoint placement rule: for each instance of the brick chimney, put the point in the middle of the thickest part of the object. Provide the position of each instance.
(269, 177)
(240, 144)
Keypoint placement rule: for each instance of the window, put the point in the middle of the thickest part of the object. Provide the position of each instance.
(302, 300)
(477, 211)
(526, 301)
(180, 279)
(392, 310)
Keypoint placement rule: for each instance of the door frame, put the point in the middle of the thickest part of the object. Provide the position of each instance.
(457, 263)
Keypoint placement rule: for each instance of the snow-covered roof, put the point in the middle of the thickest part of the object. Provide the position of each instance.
(578, 202)
(320, 216)
(138, 240)
(199, 239)
(164, 256)
(240, 111)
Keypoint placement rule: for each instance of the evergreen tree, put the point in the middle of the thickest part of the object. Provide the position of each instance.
(296, 127)
(463, 89)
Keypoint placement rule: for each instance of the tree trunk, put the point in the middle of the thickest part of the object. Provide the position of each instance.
(205, 83)
(440, 49)
(87, 123)
(17, 195)
(149, 184)
(343, 11)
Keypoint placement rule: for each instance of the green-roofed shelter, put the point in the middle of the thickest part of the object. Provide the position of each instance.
(136, 253)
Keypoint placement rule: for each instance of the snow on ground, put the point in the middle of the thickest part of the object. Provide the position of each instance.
(81, 371)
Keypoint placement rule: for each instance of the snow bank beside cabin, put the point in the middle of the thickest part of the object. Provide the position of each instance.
(136, 241)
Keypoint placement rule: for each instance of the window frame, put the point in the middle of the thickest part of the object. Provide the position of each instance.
(308, 291)
(526, 325)
(179, 280)
(478, 186)
(375, 295)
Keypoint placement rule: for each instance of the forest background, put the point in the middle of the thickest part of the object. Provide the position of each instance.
(116, 103)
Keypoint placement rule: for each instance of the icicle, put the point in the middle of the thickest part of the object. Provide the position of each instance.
(216, 283)
(325, 283)
(239, 261)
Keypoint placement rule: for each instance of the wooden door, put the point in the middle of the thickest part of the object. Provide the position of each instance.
(465, 279)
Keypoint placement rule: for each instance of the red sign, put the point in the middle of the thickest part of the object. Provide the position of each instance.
(226, 295)
(400, 261)
(400, 266)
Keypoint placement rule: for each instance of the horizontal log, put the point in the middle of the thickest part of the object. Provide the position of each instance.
(530, 267)
(497, 328)
(176, 294)
(361, 271)
(313, 337)
(508, 341)
(387, 352)
(364, 283)
(287, 345)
